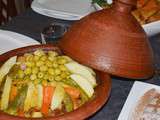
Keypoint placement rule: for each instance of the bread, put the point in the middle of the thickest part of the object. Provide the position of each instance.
(148, 107)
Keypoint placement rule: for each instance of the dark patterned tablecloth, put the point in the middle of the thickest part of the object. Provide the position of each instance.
(31, 24)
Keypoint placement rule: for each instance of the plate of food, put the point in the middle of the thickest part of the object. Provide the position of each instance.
(41, 82)
(147, 13)
(143, 103)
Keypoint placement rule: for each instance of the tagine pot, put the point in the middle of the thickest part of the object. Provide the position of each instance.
(111, 40)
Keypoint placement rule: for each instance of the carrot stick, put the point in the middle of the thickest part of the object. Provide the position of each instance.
(75, 102)
(73, 92)
(13, 93)
(47, 97)
(21, 113)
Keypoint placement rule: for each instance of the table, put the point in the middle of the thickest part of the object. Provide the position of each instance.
(31, 24)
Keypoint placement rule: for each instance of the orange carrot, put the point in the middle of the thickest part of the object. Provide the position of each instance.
(73, 92)
(21, 113)
(47, 97)
(75, 102)
(13, 93)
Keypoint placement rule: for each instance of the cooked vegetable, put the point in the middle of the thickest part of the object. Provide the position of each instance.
(75, 103)
(37, 115)
(44, 83)
(21, 113)
(58, 97)
(72, 91)
(29, 97)
(80, 69)
(5, 94)
(48, 92)
(6, 67)
(68, 103)
(13, 93)
(67, 58)
(40, 95)
(83, 83)
(83, 96)
(90, 70)
(19, 100)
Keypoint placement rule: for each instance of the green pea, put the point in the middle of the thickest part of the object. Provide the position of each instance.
(48, 63)
(20, 74)
(37, 81)
(46, 76)
(57, 71)
(62, 68)
(63, 75)
(43, 68)
(39, 63)
(55, 64)
(52, 53)
(58, 78)
(36, 58)
(29, 57)
(30, 64)
(40, 75)
(33, 77)
(62, 61)
(51, 71)
(35, 70)
(27, 78)
(51, 58)
(67, 58)
(51, 78)
(43, 58)
(39, 53)
(28, 71)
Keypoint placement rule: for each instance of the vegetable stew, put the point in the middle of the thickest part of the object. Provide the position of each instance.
(42, 84)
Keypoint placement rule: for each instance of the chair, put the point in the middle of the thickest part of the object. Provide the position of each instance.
(27, 3)
(7, 10)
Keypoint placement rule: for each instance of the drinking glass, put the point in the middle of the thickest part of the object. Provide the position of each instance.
(52, 33)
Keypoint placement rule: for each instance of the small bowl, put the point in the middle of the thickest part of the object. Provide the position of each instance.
(102, 91)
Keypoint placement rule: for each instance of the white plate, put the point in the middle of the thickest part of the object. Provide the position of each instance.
(63, 9)
(11, 40)
(137, 91)
(150, 28)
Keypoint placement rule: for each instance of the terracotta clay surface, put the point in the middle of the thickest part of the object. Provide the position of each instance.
(111, 40)
(102, 91)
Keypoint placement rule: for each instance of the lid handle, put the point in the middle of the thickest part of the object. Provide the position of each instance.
(124, 5)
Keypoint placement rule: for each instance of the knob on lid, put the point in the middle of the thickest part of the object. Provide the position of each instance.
(111, 40)
(129, 2)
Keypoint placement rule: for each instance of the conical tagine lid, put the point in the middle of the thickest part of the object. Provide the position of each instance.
(111, 40)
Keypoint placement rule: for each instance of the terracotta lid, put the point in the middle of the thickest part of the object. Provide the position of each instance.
(111, 40)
